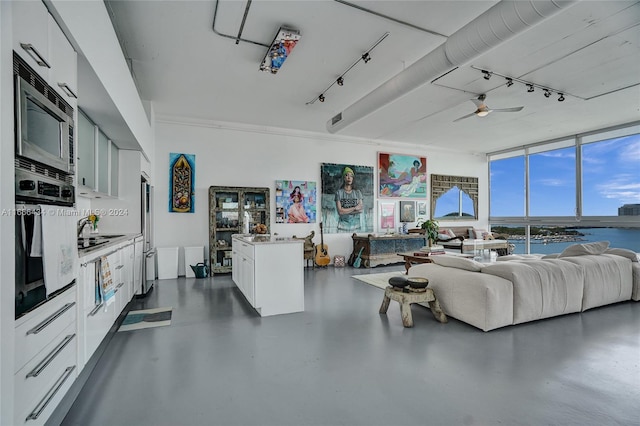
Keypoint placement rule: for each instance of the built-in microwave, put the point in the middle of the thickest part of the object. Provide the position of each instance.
(43, 121)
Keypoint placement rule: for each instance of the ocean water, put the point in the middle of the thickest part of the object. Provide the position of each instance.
(617, 237)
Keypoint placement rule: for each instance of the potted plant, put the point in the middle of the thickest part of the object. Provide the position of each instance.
(430, 229)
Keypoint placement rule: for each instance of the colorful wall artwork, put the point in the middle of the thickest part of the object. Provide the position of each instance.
(347, 198)
(182, 179)
(387, 215)
(402, 175)
(295, 201)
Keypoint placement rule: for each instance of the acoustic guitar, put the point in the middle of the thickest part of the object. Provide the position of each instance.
(356, 263)
(322, 251)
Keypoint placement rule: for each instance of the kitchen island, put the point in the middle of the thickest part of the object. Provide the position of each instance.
(269, 271)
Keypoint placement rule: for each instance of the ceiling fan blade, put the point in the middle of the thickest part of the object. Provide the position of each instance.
(514, 109)
(464, 116)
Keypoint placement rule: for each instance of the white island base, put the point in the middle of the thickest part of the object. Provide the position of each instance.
(270, 273)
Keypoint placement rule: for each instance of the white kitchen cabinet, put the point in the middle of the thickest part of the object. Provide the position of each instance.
(114, 154)
(270, 273)
(31, 35)
(137, 265)
(39, 40)
(63, 76)
(46, 358)
(102, 163)
(85, 135)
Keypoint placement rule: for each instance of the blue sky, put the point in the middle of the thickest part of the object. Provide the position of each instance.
(610, 174)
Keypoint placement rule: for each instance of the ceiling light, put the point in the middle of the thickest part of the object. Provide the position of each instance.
(487, 74)
(560, 97)
(547, 93)
(365, 57)
(321, 98)
(482, 113)
(509, 82)
(530, 88)
(282, 45)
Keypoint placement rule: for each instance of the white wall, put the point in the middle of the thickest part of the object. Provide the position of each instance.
(259, 157)
(7, 203)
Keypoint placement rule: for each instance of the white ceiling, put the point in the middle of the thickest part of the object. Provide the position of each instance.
(590, 51)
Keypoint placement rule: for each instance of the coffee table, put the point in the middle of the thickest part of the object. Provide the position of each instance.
(410, 258)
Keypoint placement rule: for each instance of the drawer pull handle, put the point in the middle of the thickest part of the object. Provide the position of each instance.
(95, 310)
(119, 266)
(38, 328)
(120, 285)
(45, 362)
(65, 87)
(52, 392)
(28, 47)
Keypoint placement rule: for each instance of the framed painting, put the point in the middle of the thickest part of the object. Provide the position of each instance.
(347, 198)
(401, 175)
(296, 201)
(407, 211)
(422, 208)
(182, 178)
(387, 214)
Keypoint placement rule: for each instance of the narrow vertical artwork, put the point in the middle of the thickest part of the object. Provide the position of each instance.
(182, 176)
(347, 198)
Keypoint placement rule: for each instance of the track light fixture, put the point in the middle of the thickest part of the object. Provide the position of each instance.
(547, 91)
(365, 57)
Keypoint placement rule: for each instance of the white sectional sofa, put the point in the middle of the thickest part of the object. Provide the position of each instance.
(521, 289)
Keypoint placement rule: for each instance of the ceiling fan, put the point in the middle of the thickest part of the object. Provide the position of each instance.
(483, 110)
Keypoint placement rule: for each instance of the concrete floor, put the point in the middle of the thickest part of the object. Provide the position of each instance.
(342, 363)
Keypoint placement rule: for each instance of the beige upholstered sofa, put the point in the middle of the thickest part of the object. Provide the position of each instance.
(521, 289)
(465, 240)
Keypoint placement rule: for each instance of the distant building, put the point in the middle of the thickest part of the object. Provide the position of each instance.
(629, 210)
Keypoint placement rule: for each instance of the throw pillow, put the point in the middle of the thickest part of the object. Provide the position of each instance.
(478, 234)
(450, 233)
(629, 254)
(443, 236)
(457, 262)
(585, 249)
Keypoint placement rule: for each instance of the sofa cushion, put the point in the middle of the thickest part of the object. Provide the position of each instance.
(551, 256)
(629, 254)
(450, 233)
(541, 288)
(585, 249)
(481, 300)
(607, 278)
(456, 262)
(520, 257)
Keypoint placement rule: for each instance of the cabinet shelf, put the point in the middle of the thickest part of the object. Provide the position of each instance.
(242, 199)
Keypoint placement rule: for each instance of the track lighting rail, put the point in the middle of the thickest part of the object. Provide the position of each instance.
(366, 57)
(547, 91)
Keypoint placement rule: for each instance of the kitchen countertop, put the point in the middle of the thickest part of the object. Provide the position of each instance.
(110, 240)
(265, 239)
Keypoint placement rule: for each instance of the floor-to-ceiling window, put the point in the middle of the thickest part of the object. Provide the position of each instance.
(553, 194)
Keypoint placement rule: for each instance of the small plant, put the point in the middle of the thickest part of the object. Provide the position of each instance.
(430, 228)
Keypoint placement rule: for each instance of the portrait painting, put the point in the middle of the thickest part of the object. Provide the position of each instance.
(401, 175)
(295, 201)
(407, 211)
(182, 177)
(347, 198)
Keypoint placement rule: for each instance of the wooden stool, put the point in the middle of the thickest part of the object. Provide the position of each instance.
(405, 299)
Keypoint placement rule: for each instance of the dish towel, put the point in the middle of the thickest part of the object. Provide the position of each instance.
(106, 282)
(36, 240)
(59, 246)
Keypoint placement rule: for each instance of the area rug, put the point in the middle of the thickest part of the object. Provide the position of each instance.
(378, 280)
(146, 318)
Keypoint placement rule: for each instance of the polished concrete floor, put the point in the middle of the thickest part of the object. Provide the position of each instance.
(342, 363)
